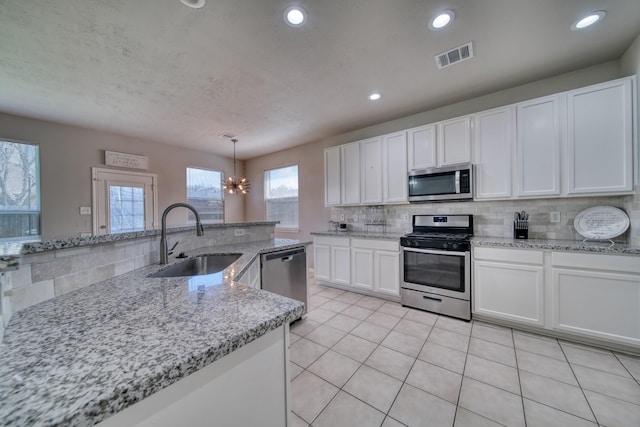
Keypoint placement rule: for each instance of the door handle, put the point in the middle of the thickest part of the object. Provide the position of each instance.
(287, 258)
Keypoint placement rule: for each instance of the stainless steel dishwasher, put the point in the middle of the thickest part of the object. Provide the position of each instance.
(285, 273)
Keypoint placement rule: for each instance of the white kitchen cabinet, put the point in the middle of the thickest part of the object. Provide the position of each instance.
(332, 177)
(362, 268)
(375, 265)
(421, 144)
(371, 172)
(597, 295)
(454, 141)
(350, 173)
(321, 260)
(332, 259)
(508, 284)
(394, 168)
(493, 142)
(370, 266)
(600, 138)
(538, 146)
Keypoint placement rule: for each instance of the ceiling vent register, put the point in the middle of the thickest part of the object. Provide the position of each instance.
(454, 56)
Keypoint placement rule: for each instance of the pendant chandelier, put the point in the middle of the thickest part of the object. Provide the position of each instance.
(233, 184)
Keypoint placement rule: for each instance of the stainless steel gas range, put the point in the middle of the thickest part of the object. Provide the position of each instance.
(436, 265)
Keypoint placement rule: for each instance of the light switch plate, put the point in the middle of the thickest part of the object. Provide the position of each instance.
(85, 210)
(554, 216)
(404, 217)
(85, 234)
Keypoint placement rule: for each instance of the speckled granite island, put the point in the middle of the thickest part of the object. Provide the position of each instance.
(80, 358)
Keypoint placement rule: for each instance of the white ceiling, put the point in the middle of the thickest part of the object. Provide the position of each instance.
(159, 70)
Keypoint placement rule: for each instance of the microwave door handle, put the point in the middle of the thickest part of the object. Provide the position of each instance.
(457, 182)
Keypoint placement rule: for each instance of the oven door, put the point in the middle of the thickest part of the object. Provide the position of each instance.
(446, 273)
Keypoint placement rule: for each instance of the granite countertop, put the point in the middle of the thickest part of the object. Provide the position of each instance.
(558, 245)
(76, 359)
(359, 234)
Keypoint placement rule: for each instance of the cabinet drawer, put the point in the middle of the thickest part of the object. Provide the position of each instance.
(331, 241)
(621, 263)
(378, 245)
(521, 256)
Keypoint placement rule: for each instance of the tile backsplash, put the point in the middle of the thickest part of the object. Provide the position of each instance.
(495, 218)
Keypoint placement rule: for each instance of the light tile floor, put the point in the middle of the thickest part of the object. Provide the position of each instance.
(360, 361)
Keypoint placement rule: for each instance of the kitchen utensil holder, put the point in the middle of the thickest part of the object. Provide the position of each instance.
(520, 229)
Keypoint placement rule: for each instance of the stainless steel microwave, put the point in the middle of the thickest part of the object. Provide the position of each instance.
(448, 183)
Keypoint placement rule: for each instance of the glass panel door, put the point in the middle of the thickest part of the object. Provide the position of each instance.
(436, 270)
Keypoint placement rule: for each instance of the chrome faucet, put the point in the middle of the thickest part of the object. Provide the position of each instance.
(164, 249)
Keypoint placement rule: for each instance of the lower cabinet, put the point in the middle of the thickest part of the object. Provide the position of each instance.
(597, 296)
(509, 284)
(592, 297)
(366, 265)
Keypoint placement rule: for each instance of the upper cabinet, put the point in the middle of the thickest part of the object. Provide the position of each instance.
(350, 173)
(600, 138)
(371, 174)
(574, 143)
(421, 142)
(538, 147)
(394, 168)
(454, 141)
(493, 141)
(332, 173)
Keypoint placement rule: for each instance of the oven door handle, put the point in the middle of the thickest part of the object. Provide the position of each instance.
(434, 252)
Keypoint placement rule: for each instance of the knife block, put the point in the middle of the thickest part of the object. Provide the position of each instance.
(520, 229)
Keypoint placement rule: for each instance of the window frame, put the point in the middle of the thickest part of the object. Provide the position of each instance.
(191, 220)
(278, 226)
(29, 237)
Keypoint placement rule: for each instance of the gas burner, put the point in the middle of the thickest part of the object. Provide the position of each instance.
(445, 232)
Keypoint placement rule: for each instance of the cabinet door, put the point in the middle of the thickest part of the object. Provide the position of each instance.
(509, 291)
(454, 141)
(341, 265)
(387, 272)
(322, 262)
(538, 147)
(600, 138)
(493, 140)
(332, 176)
(394, 168)
(371, 178)
(362, 268)
(350, 177)
(597, 303)
(422, 147)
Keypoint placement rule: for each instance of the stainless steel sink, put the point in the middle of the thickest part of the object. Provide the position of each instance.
(198, 265)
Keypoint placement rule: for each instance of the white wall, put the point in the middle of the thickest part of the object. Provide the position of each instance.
(309, 157)
(67, 154)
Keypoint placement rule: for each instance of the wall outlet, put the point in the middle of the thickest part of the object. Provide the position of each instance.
(342, 217)
(355, 217)
(85, 234)
(85, 210)
(404, 217)
(554, 216)
(238, 232)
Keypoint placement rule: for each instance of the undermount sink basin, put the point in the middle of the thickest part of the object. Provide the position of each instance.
(198, 265)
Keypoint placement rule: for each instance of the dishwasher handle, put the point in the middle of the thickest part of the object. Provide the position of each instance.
(284, 256)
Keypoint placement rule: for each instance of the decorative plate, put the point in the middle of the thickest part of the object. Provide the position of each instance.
(601, 222)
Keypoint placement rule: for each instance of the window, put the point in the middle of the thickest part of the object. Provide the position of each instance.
(204, 193)
(281, 196)
(19, 191)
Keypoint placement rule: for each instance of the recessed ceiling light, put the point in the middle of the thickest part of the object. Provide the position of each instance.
(196, 4)
(295, 16)
(588, 20)
(441, 19)
(375, 96)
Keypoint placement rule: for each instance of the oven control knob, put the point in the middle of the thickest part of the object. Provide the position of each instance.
(455, 246)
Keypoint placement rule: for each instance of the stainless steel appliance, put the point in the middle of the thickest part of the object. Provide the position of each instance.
(436, 265)
(447, 183)
(285, 273)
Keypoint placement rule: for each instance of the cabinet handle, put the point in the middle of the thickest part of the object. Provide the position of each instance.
(431, 298)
